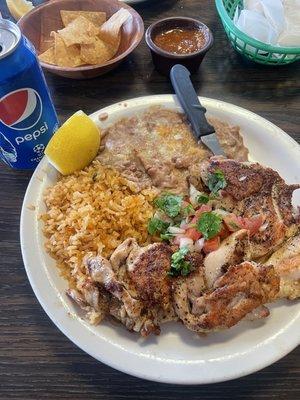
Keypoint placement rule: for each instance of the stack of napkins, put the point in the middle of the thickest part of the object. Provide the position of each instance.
(275, 22)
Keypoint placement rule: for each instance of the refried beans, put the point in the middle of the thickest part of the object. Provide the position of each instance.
(158, 148)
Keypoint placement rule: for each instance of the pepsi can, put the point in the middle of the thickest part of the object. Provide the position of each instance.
(27, 115)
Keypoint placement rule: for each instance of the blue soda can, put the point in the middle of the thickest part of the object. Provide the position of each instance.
(27, 115)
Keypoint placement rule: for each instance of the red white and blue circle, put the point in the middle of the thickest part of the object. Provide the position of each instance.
(21, 109)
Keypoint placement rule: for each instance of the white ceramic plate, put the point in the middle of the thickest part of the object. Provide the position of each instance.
(177, 355)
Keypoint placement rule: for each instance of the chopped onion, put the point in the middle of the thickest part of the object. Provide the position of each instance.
(186, 242)
(184, 225)
(175, 230)
(194, 193)
(177, 238)
(198, 246)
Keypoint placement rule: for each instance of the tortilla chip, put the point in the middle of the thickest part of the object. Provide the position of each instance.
(79, 31)
(97, 52)
(110, 30)
(65, 56)
(48, 56)
(97, 18)
(46, 44)
(108, 41)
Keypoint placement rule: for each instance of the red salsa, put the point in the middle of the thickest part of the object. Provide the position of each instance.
(181, 40)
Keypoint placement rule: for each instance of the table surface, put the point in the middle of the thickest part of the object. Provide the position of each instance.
(36, 360)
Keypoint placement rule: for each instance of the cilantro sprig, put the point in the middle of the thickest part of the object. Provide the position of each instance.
(166, 236)
(216, 181)
(188, 210)
(169, 203)
(179, 266)
(209, 224)
(203, 198)
(156, 225)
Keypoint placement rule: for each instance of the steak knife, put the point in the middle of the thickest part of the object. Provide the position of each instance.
(189, 101)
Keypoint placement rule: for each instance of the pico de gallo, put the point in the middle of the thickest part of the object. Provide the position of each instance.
(194, 224)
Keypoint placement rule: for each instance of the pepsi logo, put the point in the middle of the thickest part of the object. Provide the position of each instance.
(21, 109)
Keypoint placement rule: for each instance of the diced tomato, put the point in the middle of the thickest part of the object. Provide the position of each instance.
(193, 221)
(253, 224)
(211, 244)
(224, 232)
(202, 209)
(233, 222)
(192, 233)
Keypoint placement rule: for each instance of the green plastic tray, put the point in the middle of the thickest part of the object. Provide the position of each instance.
(251, 48)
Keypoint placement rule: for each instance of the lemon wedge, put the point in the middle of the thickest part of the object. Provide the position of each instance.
(74, 145)
(18, 8)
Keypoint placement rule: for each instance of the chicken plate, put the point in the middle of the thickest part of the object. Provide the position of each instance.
(217, 256)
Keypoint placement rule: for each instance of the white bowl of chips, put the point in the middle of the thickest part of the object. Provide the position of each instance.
(82, 38)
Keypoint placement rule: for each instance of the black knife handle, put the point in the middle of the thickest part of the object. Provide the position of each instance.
(187, 96)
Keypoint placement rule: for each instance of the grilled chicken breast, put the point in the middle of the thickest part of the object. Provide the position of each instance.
(137, 280)
(149, 274)
(231, 252)
(286, 262)
(238, 292)
(251, 190)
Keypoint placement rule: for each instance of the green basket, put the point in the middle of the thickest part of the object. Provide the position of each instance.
(251, 48)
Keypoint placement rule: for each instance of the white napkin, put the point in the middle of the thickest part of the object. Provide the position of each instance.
(291, 34)
(274, 12)
(275, 22)
(254, 5)
(257, 26)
